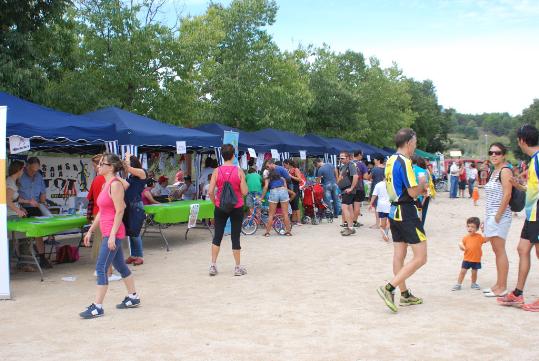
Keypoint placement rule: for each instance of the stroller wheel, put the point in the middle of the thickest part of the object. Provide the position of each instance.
(316, 220)
(306, 220)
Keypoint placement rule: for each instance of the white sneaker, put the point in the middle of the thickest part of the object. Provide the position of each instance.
(95, 273)
(114, 277)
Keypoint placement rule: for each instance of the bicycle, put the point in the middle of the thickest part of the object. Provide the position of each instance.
(260, 216)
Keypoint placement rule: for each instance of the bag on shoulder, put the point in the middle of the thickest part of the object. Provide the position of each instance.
(518, 197)
(67, 254)
(346, 180)
(228, 198)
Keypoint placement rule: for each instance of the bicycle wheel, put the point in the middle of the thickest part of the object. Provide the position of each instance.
(278, 225)
(249, 226)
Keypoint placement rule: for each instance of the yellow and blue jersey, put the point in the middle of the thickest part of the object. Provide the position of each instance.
(399, 177)
(532, 191)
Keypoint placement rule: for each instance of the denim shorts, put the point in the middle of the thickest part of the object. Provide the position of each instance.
(278, 195)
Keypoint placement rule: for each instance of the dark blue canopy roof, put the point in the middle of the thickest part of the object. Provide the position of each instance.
(246, 140)
(291, 142)
(139, 130)
(37, 122)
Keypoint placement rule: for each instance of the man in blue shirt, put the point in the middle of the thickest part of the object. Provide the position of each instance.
(32, 188)
(327, 174)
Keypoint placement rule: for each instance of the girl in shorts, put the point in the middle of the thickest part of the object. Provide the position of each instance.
(381, 199)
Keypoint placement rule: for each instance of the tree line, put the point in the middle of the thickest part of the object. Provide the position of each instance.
(221, 66)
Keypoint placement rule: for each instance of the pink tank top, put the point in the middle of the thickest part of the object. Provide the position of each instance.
(107, 212)
(228, 173)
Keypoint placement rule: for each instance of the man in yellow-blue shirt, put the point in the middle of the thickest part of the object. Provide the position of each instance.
(406, 228)
(528, 139)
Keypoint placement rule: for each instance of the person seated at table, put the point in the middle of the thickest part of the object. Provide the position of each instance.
(188, 190)
(179, 179)
(147, 197)
(206, 188)
(161, 192)
(32, 192)
(14, 209)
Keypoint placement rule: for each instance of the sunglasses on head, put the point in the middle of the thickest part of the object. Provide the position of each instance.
(495, 152)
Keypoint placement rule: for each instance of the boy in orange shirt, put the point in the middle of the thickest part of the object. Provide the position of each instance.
(471, 245)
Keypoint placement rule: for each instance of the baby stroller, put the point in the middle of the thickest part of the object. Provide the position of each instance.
(315, 209)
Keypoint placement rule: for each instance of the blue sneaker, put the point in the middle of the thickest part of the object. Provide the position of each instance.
(92, 311)
(129, 302)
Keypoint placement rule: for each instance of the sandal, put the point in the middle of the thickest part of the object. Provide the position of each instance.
(288, 234)
(266, 234)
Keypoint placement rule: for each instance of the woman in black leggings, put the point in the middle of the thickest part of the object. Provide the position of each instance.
(232, 174)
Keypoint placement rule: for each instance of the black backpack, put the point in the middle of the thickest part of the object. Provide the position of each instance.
(228, 199)
(518, 197)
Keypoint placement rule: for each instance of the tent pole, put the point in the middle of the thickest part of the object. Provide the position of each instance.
(5, 292)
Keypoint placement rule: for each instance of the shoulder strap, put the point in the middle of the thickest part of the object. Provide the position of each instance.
(500, 174)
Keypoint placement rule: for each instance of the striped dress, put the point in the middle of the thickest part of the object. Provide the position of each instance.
(494, 195)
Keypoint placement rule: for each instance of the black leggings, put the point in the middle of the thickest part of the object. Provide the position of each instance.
(236, 217)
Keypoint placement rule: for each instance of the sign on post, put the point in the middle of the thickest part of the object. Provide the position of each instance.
(193, 215)
(18, 144)
(303, 154)
(275, 154)
(252, 152)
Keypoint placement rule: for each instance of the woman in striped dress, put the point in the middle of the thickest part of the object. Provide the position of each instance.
(498, 215)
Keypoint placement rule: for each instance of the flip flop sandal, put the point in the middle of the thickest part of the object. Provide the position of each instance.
(266, 234)
(492, 294)
(288, 234)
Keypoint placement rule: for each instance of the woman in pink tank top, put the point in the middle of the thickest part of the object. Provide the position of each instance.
(109, 220)
(226, 174)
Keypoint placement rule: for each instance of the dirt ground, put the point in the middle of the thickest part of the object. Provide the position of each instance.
(308, 297)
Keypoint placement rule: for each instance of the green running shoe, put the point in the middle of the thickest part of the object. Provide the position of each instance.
(409, 301)
(388, 297)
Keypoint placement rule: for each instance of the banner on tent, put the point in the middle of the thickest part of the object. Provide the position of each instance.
(66, 178)
(18, 144)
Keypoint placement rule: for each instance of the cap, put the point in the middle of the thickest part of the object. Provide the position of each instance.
(163, 179)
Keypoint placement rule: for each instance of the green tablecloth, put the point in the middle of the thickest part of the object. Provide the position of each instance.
(40, 227)
(177, 212)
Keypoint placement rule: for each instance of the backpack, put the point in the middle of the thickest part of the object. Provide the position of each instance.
(518, 197)
(227, 199)
(67, 254)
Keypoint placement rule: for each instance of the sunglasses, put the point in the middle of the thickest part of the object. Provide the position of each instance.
(102, 164)
(494, 152)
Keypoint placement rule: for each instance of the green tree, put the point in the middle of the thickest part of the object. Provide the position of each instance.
(32, 44)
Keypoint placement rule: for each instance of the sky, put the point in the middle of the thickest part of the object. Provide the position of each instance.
(482, 55)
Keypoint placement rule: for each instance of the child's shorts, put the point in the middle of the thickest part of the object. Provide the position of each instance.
(382, 215)
(472, 265)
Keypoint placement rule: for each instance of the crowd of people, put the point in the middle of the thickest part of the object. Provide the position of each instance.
(398, 191)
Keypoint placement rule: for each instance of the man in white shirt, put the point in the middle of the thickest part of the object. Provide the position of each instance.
(188, 190)
(453, 180)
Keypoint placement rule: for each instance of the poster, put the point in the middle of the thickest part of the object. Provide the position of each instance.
(303, 154)
(181, 147)
(193, 215)
(275, 154)
(66, 178)
(232, 138)
(252, 152)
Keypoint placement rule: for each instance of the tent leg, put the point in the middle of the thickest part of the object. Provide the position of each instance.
(164, 238)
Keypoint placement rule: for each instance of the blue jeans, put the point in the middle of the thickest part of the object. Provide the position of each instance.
(136, 246)
(331, 197)
(471, 183)
(106, 257)
(454, 186)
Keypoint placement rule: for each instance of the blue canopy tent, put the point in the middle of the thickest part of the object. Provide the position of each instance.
(291, 142)
(139, 130)
(247, 139)
(52, 130)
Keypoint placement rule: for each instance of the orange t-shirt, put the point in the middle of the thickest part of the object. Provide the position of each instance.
(472, 247)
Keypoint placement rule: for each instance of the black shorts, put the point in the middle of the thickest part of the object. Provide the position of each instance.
(406, 226)
(359, 196)
(462, 185)
(347, 198)
(294, 203)
(530, 231)
(472, 265)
